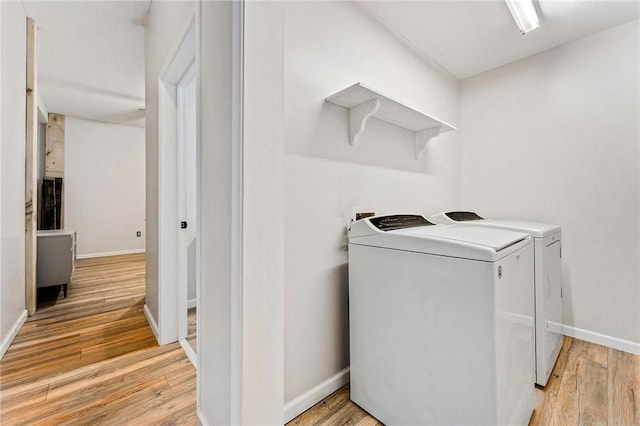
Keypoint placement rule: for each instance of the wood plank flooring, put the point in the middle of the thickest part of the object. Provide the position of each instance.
(589, 385)
(91, 359)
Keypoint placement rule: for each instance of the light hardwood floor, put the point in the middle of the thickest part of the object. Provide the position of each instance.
(589, 385)
(91, 359)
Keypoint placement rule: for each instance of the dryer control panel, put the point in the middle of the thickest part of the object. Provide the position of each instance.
(463, 216)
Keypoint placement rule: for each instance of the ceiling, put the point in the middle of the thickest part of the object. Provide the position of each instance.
(90, 58)
(91, 53)
(469, 37)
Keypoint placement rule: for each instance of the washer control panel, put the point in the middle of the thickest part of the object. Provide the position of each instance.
(402, 221)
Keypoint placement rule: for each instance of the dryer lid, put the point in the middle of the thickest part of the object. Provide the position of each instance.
(535, 229)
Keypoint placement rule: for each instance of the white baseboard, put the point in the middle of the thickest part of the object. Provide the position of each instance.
(302, 403)
(191, 303)
(602, 339)
(189, 352)
(109, 253)
(6, 342)
(152, 323)
(202, 420)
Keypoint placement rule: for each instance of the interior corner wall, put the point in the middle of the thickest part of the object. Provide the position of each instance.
(104, 186)
(329, 46)
(165, 24)
(554, 138)
(12, 168)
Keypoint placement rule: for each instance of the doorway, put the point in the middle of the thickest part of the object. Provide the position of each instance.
(187, 198)
(178, 196)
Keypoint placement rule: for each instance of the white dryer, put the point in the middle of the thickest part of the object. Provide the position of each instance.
(440, 322)
(548, 281)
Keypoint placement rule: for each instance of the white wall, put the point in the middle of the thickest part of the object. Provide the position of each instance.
(3, 333)
(263, 215)
(12, 170)
(220, 320)
(165, 25)
(554, 138)
(329, 46)
(105, 186)
(240, 327)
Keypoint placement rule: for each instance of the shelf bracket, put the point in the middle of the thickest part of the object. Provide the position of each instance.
(422, 138)
(358, 117)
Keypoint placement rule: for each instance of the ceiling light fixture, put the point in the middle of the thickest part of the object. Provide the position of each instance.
(524, 13)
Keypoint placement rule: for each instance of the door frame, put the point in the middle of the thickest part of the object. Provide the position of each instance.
(31, 170)
(168, 221)
(182, 261)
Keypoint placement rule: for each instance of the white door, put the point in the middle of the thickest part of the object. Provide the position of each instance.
(187, 204)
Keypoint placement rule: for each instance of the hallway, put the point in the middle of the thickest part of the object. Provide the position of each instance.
(92, 358)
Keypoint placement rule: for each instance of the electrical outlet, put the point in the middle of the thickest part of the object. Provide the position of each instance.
(139, 234)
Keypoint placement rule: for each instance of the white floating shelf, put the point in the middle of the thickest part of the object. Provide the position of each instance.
(364, 103)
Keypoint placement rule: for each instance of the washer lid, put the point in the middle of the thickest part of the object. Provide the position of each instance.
(468, 242)
(535, 229)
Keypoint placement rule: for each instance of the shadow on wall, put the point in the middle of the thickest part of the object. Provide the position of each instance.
(340, 276)
(567, 305)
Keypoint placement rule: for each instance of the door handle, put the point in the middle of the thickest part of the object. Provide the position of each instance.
(183, 224)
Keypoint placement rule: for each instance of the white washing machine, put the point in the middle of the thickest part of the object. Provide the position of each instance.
(441, 322)
(548, 282)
